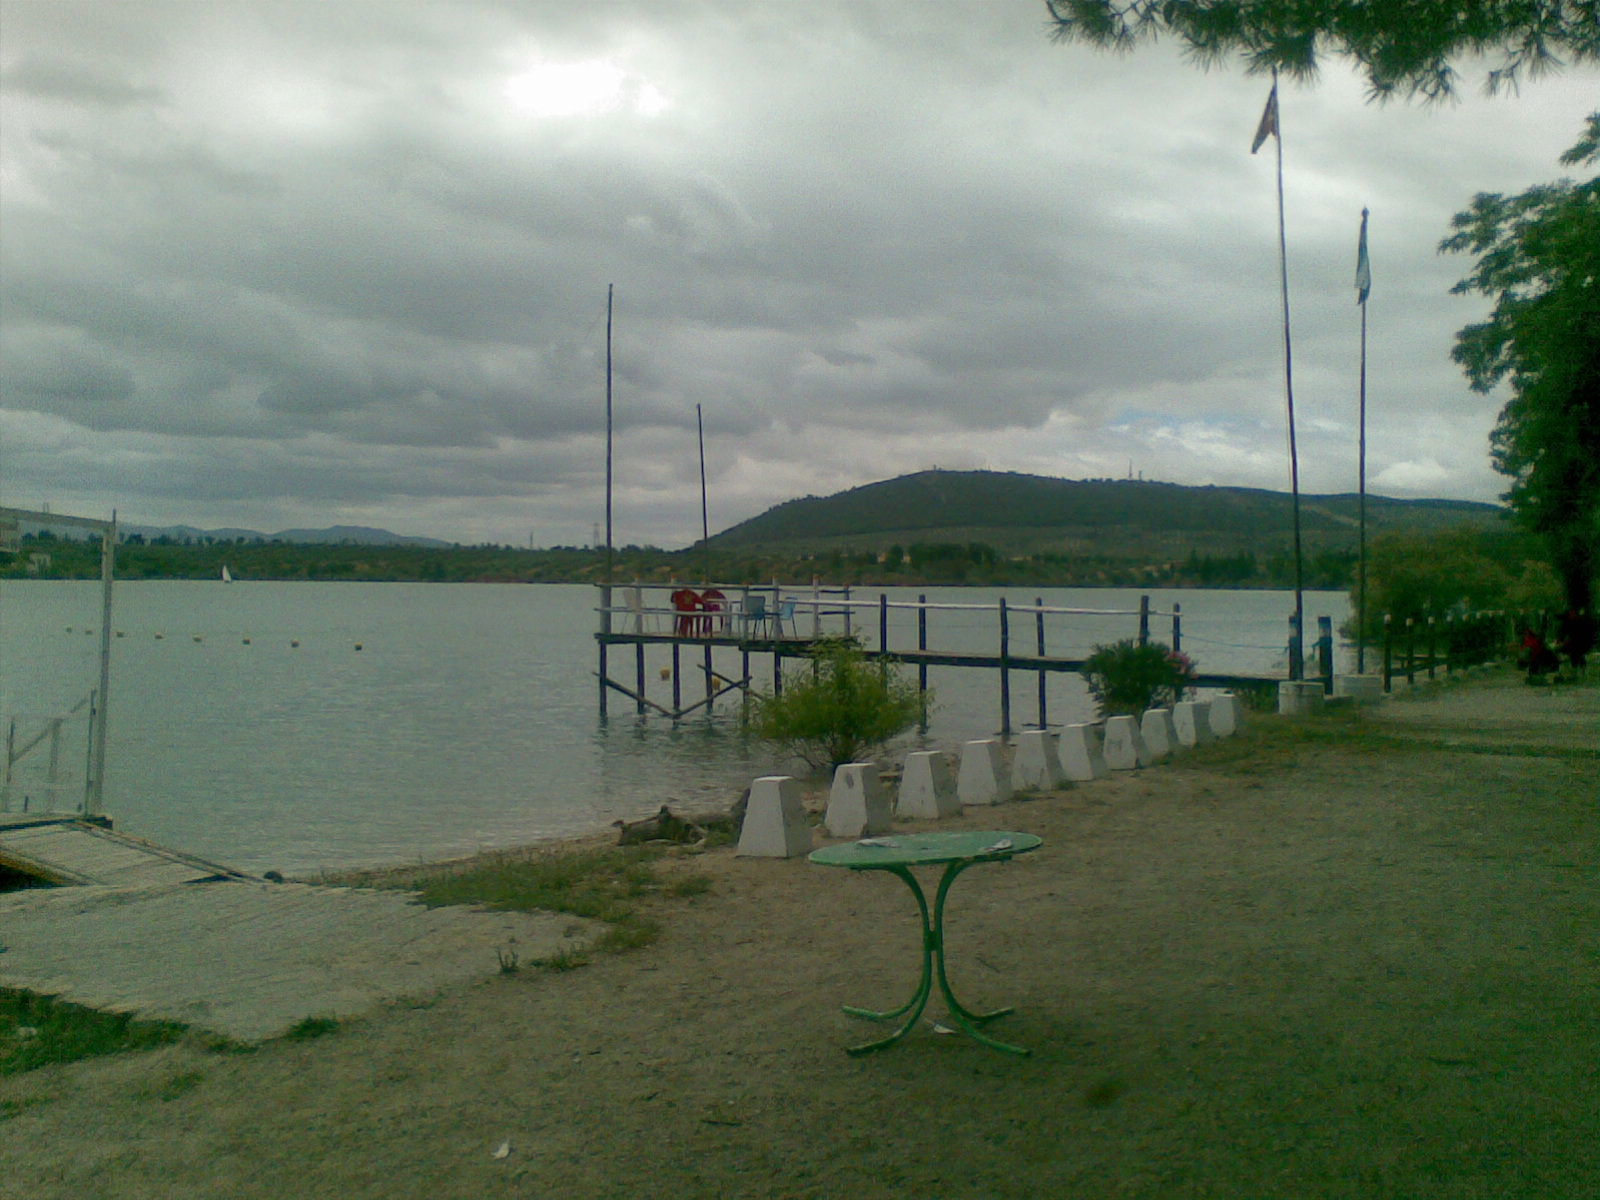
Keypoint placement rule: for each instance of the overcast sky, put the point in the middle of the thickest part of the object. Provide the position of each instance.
(284, 264)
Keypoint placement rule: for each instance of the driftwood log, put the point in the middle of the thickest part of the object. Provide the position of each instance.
(668, 826)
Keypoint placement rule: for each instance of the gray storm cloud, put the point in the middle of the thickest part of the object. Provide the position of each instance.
(274, 265)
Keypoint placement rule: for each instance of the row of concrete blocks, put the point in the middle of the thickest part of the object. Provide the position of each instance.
(776, 824)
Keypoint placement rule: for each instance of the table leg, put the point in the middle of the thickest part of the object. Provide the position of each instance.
(965, 1019)
(932, 969)
(919, 998)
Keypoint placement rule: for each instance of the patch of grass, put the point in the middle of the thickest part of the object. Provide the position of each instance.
(689, 885)
(15, 1108)
(36, 1031)
(608, 883)
(312, 1027)
(174, 1086)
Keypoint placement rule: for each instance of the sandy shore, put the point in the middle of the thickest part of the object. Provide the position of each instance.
(1352, 956)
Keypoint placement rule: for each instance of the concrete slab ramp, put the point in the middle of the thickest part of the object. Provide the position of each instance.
(250, 959)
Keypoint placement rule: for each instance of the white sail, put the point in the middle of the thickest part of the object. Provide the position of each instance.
(226, 576)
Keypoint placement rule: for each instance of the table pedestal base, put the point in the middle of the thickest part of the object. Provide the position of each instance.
(961, 1017)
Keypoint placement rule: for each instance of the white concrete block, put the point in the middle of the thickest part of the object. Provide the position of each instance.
(1363, 689)
(1299, 698)
(775, 821)
(857, 805)
(927, 790)
(1082, 758)
(1192, 720)
(982, 778)
(1159, 734)
(1124, 748)
(1037, 763)
(1227, 714)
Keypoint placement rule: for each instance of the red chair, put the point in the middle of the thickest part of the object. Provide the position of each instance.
(711, 601)
(686, 601)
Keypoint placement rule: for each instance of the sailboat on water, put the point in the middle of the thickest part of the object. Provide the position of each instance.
(227, 576)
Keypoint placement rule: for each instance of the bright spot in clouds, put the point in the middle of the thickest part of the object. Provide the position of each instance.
(582, 88)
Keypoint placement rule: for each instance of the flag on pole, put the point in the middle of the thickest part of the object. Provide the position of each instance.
(1269, 119)
(1363, 267)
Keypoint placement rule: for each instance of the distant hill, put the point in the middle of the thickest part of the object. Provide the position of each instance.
(333, 535)
(1034, 514)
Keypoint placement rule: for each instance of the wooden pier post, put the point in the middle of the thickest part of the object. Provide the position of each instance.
(677, 686)
(639, 677)
(1144, 620)
(605, 627)
(1038, 625)
(1005, 673)
(883, 622)
(1177, 628)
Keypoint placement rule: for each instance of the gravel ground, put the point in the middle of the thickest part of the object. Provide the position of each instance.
(1355, 955)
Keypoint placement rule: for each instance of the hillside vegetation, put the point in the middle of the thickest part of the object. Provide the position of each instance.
(934, 527)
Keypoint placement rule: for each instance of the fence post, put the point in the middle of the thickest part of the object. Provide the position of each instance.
(1433, 646)
(1388, 653)
(883, 622)
(1144, 619)
(1177, 628)
(1411, 650)
(1325, 652)
(1297, 666)
(922, 667)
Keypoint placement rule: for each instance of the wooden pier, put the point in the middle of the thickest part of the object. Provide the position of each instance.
(66, 850)
(782, 623)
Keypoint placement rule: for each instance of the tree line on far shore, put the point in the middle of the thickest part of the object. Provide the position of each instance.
(1409, 575)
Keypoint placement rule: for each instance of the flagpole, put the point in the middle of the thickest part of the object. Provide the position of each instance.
(1297, 640)
(1363, 285)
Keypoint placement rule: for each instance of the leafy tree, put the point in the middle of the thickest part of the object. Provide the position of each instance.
(1404, 48)
(1417, 576)
(1539, 260)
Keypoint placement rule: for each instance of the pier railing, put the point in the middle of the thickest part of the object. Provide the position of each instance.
(785, 622)
(1429, 647)
(41, 771)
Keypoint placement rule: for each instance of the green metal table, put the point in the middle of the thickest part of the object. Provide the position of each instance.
(897, 854)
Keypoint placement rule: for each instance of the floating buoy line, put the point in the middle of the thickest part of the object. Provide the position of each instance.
(294, 643)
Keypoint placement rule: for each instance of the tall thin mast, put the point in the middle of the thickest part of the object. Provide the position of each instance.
(609, 551)
(705, 521)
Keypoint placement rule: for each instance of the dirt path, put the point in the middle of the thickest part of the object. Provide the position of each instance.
(1353, 956)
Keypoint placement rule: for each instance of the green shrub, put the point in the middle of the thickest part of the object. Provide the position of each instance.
(1127, 678)
(840, 709)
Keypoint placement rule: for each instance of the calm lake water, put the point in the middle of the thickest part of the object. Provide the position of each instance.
(468, 717)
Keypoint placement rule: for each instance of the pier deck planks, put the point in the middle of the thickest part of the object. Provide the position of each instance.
(70, 851)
